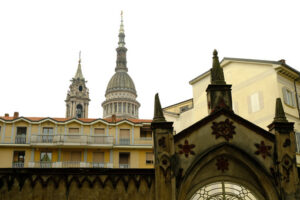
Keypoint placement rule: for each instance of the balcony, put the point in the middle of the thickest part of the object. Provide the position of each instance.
(18, 164)
(144, 141)
(124, 141)
(71, 139)
(123, 165)
(20, 139)
(69, 164)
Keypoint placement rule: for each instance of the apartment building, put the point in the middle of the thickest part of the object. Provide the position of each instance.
(255, 85)
(70, 142)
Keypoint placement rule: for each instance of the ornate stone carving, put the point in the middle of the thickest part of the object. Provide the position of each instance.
(287, 164)
(222, 163)
(186, 148)
(223, 129)
(162, 142)
(263, 149)
(287, 143)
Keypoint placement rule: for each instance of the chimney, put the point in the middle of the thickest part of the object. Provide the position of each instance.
(6, 115)
(113, 118)
(16, 114)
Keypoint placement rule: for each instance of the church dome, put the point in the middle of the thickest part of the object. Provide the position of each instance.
(120, 81)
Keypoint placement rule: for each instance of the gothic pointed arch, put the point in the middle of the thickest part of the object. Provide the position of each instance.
(227, 164)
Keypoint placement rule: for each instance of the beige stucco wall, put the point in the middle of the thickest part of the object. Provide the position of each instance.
(137, 147)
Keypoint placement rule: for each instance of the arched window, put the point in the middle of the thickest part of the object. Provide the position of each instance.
(79, 111)
(223, 190)
(80, 88)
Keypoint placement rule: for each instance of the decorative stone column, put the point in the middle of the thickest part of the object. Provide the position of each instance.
(163, 151)
(285, 171)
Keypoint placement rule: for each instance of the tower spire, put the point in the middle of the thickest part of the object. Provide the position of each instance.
(78, 74)
(217, 75)
(121, 50)
(158, 113)
(279, 112)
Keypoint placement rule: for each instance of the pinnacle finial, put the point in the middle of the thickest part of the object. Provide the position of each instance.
(78, 74)
(279, 112)
(121, 25)
(217, 75)
(79, 61)
(158, 113)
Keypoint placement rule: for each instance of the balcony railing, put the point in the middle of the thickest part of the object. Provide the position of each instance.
(18, 164)
(144, 141)
(124, 141)
(123, 165)
(20, 139)
(79, 139)
(69, 164)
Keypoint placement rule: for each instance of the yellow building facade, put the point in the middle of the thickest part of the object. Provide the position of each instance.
(255, 85)
(119, 140)
(84, 143)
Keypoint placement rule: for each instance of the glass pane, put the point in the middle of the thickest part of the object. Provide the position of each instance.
(223, 190)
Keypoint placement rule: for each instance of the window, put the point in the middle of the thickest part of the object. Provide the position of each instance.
(124, 136)
(21, 135)
(255, 102)
(80, 88)
(99, 131)
(124, 160)
(146, 133)
(79, 111)
(46, 158)
(149, 158)
(18, 159)
(119, 107)
(115, 105)
(124, 107)
(73, 130)
(288, 97)
(47, 134)
(298, 141)
(98, 159)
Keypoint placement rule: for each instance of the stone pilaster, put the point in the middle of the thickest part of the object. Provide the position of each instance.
(163, 151)
(285, 155)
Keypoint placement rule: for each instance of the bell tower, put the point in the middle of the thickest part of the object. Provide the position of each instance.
(77, 101)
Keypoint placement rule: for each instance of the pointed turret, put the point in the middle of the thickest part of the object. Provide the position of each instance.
(279, 112)
(285, 158)
(158, 113)
(217, 75)
(121, 50)
(78, 74)
(77, 100)
(218, 92)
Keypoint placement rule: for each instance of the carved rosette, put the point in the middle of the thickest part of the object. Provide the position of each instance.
(223, 129)
(186, 148)
(263, 150)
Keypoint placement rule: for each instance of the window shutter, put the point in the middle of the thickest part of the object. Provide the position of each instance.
(294, 100)
(261, 100)
(99, 131)
(249, 105)
(284, 94)
(98, 157)
(75, 156)
(124, 133)
(73, 130)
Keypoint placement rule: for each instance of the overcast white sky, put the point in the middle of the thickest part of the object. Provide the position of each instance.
(169, 43)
